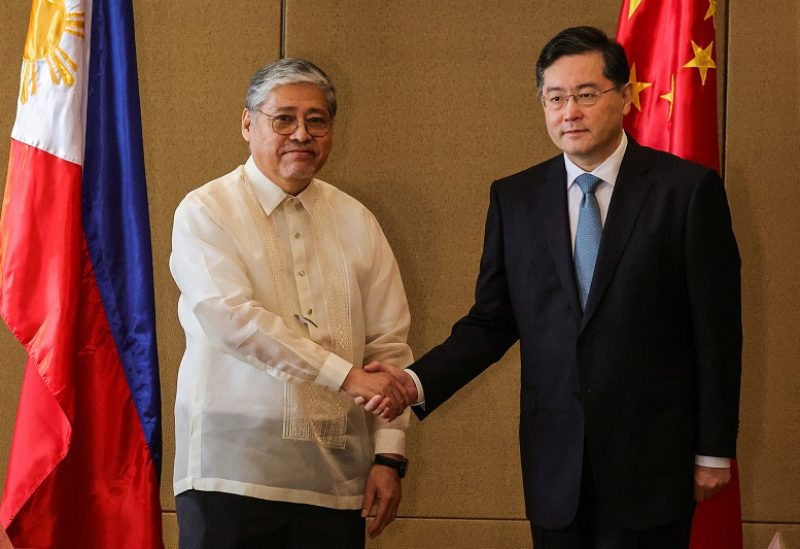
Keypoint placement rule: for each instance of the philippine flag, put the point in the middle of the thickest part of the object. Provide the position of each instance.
(76, 288)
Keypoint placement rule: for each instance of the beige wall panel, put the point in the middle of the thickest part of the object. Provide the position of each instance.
(437, 100)
(13, 28)
(758, 536)
(763, 178)
(454, 534)
(170, 526)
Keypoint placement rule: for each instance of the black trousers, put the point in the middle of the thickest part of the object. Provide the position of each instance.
(217, 520)
(594, 528)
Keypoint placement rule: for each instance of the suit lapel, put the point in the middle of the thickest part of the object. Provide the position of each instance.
(630, 191)
(556, 222)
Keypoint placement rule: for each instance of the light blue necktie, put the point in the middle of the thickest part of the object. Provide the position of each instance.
(587, 237)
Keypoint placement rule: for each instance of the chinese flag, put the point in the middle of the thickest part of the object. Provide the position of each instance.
(671, 49)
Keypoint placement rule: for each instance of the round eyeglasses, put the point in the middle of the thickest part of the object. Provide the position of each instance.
(286, 124)
(556, 102)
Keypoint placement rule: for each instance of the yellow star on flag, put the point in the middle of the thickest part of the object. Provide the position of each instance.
(50, 21)
(632, 7)
(712, 11)
(637, 88)
(670, 96)
(702, 60)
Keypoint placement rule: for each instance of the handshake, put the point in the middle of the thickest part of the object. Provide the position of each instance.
(381, 389)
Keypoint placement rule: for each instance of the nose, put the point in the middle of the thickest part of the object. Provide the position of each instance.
(572, 110)
(300, 133)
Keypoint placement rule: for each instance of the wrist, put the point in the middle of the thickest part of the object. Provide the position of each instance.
(393, 461)
(350, 381)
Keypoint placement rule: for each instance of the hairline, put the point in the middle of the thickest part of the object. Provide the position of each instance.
(285, 72)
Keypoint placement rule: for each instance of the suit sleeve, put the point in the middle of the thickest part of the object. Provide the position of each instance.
(714, 281)
(481, 337)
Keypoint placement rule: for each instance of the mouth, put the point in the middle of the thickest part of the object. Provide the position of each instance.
(573, 132)
(299, 152)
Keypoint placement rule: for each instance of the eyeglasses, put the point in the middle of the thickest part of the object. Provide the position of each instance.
(286, 124)
(585, 98)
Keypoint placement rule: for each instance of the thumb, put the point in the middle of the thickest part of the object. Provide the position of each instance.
(369, 499)
(373, 367)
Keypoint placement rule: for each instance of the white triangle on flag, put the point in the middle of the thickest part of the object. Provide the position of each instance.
(777, 542)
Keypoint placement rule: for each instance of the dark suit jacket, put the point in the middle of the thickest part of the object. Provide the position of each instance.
(647, 376)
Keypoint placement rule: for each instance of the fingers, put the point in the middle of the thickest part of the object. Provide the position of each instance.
(359, 383)
(386, 384)
(708, 481)
(699, 494)
(401, 380)
(378, 405)
(382, 389)
(373, 367)
(383, 495)
(394, 392)
(385, 514)
(369, 499)
(388, 414)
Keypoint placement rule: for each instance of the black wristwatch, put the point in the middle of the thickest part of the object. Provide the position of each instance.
(399, 465)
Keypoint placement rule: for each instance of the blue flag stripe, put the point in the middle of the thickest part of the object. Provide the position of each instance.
(115, 213)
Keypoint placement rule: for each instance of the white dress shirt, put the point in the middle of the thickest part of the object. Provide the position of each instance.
(280, 297)
(607, 172)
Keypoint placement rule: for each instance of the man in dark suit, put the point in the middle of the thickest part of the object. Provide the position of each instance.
(623, 289)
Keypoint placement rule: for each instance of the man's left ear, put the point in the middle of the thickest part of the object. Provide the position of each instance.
(627, 98)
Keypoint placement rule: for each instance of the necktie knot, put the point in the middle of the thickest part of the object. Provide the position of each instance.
(588, 182)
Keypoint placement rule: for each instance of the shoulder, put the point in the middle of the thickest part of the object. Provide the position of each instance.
(665, 165)
(531, 179)
(335, 196)
(344, 206)
(217, 193)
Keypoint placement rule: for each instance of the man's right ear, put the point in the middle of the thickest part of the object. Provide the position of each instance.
(246, 124)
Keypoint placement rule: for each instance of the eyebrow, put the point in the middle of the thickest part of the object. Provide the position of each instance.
(578, 87)
(290, 109)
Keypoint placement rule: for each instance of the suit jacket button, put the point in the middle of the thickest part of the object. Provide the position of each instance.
(582, 395)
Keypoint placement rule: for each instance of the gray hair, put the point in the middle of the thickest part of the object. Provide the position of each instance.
(288, 71)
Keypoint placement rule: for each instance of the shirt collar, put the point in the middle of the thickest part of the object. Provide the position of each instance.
(607, 171)
(270, 195)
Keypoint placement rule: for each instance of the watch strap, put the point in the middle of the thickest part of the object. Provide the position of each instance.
(399, 465)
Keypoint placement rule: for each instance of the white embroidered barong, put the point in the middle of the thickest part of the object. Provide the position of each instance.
(280, 297)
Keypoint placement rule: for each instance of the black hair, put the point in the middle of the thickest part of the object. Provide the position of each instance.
(578, 40)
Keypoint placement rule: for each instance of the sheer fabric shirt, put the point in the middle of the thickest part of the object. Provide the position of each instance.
(280, 297)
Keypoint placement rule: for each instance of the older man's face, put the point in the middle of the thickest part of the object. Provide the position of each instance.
(289, 161)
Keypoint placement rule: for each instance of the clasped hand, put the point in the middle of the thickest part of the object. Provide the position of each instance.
(381, 389)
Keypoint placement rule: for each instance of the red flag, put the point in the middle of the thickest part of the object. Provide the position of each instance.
(76, 289)
(671, 47)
